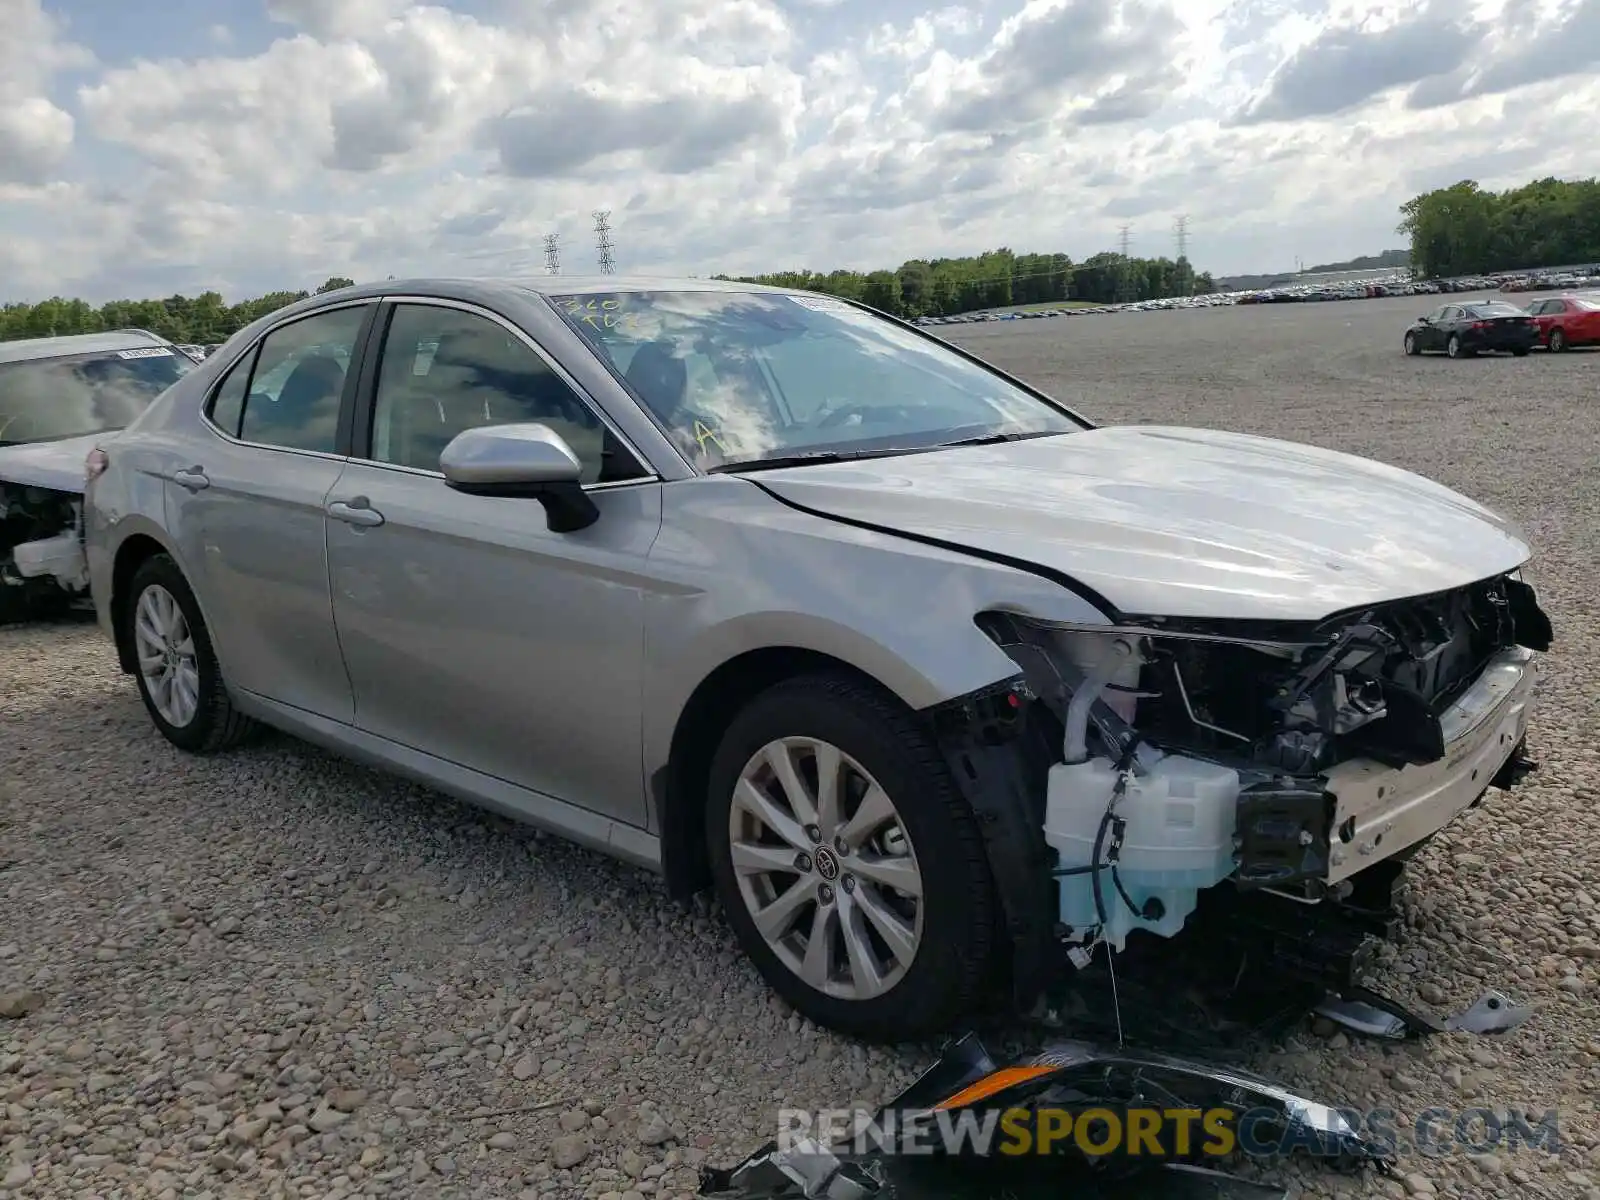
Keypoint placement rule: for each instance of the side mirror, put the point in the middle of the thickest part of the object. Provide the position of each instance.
(1424, 320)
(521, 460)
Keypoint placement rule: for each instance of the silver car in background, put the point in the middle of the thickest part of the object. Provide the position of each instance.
(931, 678)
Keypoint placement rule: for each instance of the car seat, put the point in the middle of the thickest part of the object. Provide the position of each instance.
(308, 400)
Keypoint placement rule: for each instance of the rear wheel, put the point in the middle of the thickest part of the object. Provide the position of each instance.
(179, 677)
(1558, 341)
(850, 866)
(1453, 347)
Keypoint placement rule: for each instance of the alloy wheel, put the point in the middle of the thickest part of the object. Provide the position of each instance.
(166, 653)
(826, 868)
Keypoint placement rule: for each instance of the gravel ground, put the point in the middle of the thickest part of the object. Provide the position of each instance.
(276, 974)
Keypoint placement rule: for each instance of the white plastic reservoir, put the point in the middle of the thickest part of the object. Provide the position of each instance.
(1180, 815)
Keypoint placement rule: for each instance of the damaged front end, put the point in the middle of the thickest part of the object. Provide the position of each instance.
(1075, 1119)
(1163, 759)
(42, 565)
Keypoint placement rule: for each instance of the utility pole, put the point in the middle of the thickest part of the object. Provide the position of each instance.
(602, 242)
(1185, 268)
(552, 254)
(1125, 289)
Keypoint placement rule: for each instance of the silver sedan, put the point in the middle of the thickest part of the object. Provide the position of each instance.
(930, 677)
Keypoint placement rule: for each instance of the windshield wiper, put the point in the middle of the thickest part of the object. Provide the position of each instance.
(994, 439)
(810, 458)
(813, 457)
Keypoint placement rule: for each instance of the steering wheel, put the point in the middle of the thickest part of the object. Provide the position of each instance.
(833, 417)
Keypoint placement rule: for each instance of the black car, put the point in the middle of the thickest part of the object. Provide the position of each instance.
(1462, 330)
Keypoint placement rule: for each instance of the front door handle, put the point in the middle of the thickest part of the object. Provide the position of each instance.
(194, 479)
(355, 511)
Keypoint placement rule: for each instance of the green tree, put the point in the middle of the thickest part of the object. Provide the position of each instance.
(1464, 230)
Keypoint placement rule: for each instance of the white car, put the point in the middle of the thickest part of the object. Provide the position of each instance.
(58, 397)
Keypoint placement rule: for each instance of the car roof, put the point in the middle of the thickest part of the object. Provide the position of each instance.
(540, 285)
(31, 349)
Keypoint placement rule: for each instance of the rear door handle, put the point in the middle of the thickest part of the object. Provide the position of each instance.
(194, 479)
(355, 511)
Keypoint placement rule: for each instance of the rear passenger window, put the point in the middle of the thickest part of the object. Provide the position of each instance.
(299, 379)
(227, 404)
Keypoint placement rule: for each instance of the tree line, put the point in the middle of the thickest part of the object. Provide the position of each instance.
(942, 287)
(202, 320)
(1465, 230)
(921, 287)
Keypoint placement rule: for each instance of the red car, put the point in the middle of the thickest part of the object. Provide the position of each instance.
(1567, 321)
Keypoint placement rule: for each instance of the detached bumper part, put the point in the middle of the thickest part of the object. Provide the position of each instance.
(1368, 1013)
(1072, 1077)
(60, 556)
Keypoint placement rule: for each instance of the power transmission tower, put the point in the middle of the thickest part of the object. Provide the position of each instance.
(602, 243)
(1125, 289)
(552, 254)
(1185, 271)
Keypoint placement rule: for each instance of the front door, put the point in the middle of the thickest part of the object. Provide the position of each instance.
(249, 517)
(469, 629)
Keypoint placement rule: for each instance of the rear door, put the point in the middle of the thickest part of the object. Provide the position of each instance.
(248, 515)
(470, 630)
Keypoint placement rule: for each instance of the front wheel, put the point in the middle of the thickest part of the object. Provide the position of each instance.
(851, 868)
(179, 677)
(1412, 345)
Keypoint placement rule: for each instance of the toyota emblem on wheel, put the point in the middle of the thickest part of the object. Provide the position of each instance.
(827, 865)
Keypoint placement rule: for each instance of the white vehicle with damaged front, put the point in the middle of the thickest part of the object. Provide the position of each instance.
(59, 396)
(934, 681)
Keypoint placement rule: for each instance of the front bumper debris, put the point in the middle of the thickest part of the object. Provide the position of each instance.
(1067, 1082)
(1366, 1012)
(1379, 811)
(60, 557)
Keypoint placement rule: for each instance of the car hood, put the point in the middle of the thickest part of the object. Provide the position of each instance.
(1178, 522)
(56, 465)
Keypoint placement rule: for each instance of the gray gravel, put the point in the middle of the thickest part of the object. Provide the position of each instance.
(275, 974)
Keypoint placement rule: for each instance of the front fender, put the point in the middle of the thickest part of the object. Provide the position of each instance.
(897, 610)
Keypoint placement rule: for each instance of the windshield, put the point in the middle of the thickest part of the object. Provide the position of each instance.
(1496, 310)
(740, 377)
(47, 398)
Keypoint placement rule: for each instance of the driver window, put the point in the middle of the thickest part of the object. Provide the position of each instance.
(444, 371)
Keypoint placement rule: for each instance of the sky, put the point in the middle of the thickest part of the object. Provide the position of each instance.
(254, 145)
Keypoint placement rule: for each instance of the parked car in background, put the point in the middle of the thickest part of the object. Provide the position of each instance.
(58, 396)
(1462, 330)
(774, 594)
(1567, 321)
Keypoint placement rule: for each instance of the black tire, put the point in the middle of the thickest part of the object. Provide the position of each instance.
(1522, 351)
(1558, 341)
(1453, 347)
(953, 965)
(216, 724)
(1413, 347)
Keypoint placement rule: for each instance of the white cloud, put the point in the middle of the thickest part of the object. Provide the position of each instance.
(36, 135)
(372, 137)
